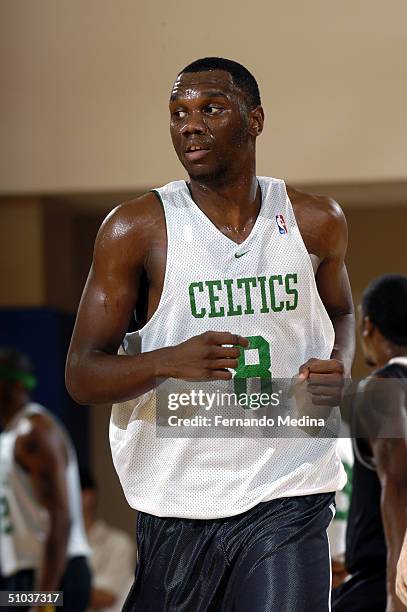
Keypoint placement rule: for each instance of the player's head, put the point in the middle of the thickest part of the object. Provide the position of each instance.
(215, 105)
(16, 376)
(241, 77)
(384, 318)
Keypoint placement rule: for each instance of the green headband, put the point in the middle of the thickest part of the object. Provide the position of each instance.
(29, 381)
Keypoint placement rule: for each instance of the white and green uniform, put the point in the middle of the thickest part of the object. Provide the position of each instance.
(23, 521)
(263, 289)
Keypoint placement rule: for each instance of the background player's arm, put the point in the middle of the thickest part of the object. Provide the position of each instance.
(95, 373)
(42, 453)
(391, 461)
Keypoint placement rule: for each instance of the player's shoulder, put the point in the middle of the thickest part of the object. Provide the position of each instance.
(379, 406)
(147, 207)
(383, 384)
(37, 424)
(321, 222)
(132, 221)
(393, 369)
(323, 206)
(37, 433)
(130, 214)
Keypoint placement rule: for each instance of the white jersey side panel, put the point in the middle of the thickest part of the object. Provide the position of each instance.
(264, 287)
(23, 521)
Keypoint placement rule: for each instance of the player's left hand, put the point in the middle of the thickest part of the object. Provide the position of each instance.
(325, 380)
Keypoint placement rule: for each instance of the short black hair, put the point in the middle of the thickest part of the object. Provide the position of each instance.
(241, 77)
(384, 301)
(15, 366)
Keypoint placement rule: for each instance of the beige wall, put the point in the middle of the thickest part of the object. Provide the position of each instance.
(85, 87)
(21, 252)
(37, 254)
(376, 247)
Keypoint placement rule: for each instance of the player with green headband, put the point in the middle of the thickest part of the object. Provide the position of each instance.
(16, 374)
(42, 540)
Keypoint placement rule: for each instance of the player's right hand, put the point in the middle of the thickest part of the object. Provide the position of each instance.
(205, 357)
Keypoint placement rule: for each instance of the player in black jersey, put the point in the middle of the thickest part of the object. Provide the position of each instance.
(378, 512)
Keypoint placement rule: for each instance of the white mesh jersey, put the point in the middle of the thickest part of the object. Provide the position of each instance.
(23, 521)
(262, 288)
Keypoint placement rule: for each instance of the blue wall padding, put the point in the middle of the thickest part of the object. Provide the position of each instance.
(44, 335)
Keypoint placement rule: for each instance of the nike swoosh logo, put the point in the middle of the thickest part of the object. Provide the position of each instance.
(237, 255)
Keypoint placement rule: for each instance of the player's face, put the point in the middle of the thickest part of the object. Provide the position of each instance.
(209, 123)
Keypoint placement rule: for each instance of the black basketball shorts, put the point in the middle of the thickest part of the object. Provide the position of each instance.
(272, 558)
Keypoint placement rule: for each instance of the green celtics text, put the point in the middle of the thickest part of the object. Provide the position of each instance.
(233, 297)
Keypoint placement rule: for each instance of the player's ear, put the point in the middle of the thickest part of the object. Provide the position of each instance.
(367, 327)
(256, 121)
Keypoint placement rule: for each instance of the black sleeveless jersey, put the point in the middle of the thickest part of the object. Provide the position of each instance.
(365, 541)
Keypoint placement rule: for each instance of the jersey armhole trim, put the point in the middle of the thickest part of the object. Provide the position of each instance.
(313, 273)
(165, 282)
(369, 465)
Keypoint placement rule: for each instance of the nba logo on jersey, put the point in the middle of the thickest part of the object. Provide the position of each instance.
(282, 228)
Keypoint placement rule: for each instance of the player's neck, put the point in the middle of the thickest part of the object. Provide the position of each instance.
(233, 202)
(9, 411)
(389, 351)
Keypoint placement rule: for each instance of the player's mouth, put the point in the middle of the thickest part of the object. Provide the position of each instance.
(196, 152)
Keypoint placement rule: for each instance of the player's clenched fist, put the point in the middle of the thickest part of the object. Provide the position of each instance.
(325, 380)
(205, 357)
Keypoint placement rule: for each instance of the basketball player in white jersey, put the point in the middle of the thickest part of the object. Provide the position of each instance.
(42, 538)
(220, 266)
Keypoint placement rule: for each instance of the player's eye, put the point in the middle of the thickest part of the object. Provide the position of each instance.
(213, 109)
(179, 114)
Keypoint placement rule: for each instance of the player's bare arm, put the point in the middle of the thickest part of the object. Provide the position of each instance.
(127, 274)
(41, 451)
(401, 579)
(390, 455)
(324, 230)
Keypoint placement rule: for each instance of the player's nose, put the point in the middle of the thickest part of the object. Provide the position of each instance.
(194, 124)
